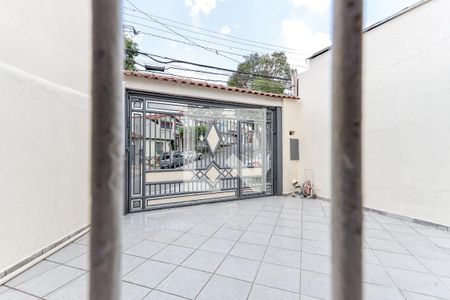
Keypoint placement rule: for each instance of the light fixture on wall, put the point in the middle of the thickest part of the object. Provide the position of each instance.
(291, 132)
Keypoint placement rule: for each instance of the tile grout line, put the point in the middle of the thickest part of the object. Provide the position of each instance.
(243, 232)
(381, 263)
(420, 262)
(67, 283)
(265, 251)
(301, 251)
(198, 248)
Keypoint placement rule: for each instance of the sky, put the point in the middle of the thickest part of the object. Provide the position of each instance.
(301, 25)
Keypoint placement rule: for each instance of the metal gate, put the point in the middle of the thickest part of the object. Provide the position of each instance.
(180, 151)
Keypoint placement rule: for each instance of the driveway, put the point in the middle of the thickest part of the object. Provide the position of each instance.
(266, 248)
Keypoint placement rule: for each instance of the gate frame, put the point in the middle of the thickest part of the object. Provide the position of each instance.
(277, 147)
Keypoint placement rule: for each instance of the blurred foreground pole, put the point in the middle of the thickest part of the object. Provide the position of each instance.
(107, 165)
(346, 150)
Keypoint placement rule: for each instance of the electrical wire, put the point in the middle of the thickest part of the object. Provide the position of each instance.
(190, 44)
(296, 52)
(181, 35)
(194, 38)
(169, 60)
(212, 31)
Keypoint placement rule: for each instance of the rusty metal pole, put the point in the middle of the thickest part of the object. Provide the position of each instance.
(346, 150)
(107, 166)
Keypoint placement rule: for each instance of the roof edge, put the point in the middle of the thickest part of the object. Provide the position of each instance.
(378, 24)
(204, 84)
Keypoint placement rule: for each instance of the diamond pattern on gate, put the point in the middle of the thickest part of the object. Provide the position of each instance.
(213, 138)
(212, 173)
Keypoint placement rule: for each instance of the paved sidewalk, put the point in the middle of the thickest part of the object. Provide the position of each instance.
(267, 248)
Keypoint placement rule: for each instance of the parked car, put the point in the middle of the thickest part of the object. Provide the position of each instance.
(172, 159)
(192, 155)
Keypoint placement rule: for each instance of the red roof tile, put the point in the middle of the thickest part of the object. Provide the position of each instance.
(205, 84)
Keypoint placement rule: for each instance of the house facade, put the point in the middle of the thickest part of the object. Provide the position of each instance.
(204, 142)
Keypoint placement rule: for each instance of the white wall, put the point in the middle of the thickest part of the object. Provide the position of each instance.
(406, 113)
(44, 132)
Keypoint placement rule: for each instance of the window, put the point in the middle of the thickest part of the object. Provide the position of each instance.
(159, 147)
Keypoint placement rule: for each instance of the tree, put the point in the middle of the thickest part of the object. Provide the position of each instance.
(131, 51)
(274, 65)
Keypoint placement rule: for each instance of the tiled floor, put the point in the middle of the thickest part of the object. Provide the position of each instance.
(269, 248)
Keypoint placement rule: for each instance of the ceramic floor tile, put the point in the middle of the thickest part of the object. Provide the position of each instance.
(421, 283)
(280, 277)
(250, 251)
(157, 295)
(377, 292)
(150, 273)
(146, 249)
(190, 240)
(32, 272)
(239, 268)
(204, 260)
(173, 254)
(74, 290)
(67, 253)
(49, 281)
(285, 257)
(218, 245)
(399, 260)
(316, 263)
(228, 234)
(166, 236)
(260, 292)
(16, 295)
(255, 238)
(224, 288)
(184, 282)
(316, 284)
(285, 242)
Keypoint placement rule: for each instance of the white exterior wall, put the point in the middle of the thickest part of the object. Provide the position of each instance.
(406, 115)
(44, 132)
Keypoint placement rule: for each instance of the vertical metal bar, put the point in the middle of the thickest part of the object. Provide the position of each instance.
(107, 138)
(346, 150)
(156, 121)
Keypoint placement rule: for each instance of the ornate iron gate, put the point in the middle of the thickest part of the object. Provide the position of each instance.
(184, 151)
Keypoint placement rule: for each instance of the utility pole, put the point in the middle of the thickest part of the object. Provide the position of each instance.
(346, 150)
(107, 166)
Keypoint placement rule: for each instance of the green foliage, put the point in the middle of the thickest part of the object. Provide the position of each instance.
(131, 51)
(199, 130)
(274, 65)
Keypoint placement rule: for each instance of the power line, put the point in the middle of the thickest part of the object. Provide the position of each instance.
(190, 44)
(280, 48)
(173, 60)
(212, 31)
(175, 32)
(132, 30)
(195, 38)
(202, 72)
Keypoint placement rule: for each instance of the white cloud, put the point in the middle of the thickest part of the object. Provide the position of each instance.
(298, 35)
(198, 7)
(225, 30)
(318, 6)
